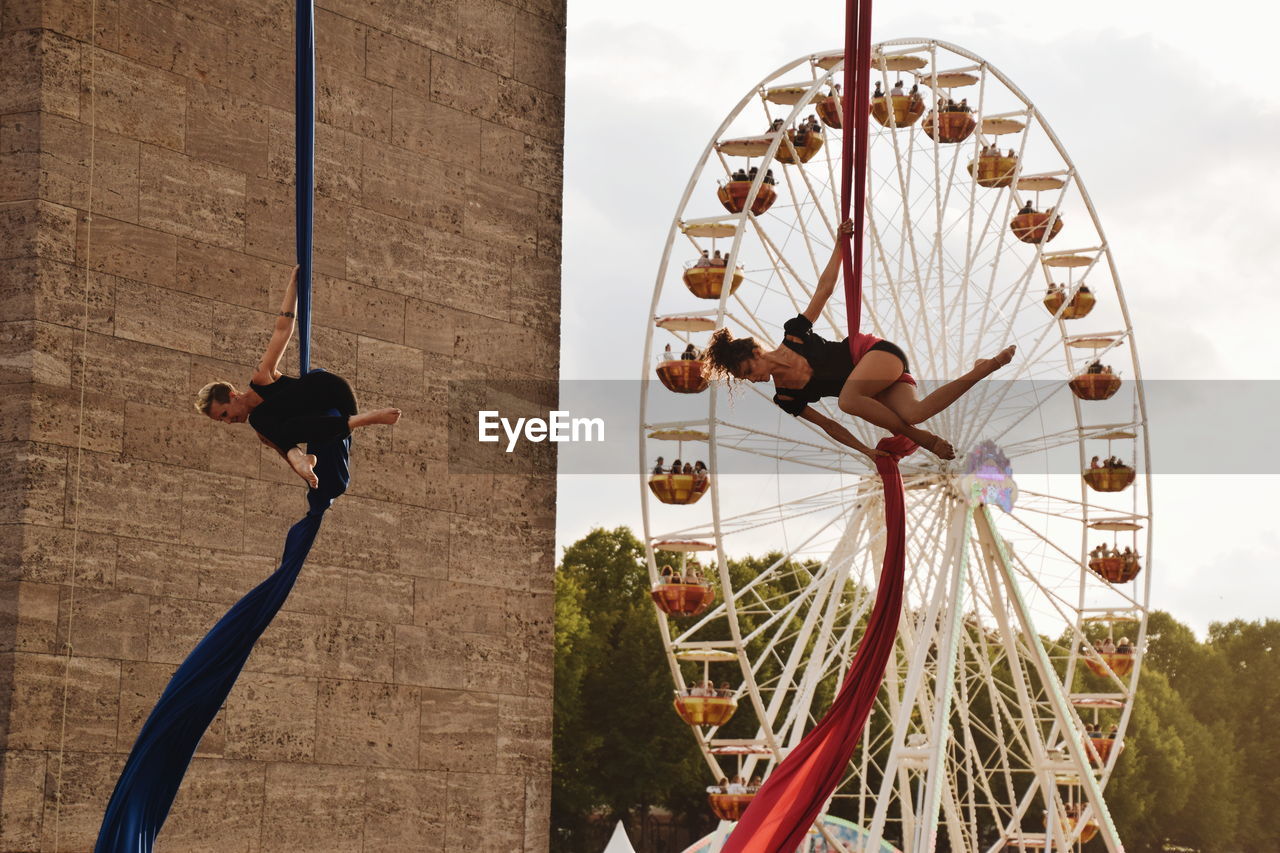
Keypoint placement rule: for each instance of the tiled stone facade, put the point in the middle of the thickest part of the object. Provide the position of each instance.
(402, 699)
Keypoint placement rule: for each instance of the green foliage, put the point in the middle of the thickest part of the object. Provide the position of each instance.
(1196, 773)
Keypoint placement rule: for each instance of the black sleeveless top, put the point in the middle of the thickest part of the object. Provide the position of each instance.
(831, 362)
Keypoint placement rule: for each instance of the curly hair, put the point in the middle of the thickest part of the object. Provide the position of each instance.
(214, 392)
(726, 354)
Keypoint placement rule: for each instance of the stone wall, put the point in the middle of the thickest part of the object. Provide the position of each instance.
(402, 700)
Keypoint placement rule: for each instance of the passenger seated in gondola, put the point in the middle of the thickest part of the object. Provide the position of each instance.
(688, 469)
(718, 788)
(877, 93)
(658, 469)
(716, 260)
(1095, 462)
(964, 106)
(1111, 735)
(1123, 647)
(756, 782)
(915, 92)
(667, 574)
(898, 91)
(703, 260)
(676, 467)
(740, 175)
(1095, 366)
(700, 473)
(736, 786)
(1084, 288)
(666, 353)
(689, 354)
(725, 691)
(776, 125)
(768, 176)
(1027, 208)
(1108, 646)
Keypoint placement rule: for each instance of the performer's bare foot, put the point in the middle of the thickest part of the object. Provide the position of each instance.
(377, 416)
(988, 366)
(303, 464)
(935, 444)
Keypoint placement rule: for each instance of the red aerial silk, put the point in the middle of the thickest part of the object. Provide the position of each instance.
(794, 794)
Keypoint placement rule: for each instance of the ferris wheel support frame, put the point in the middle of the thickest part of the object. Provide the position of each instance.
(1058, 700)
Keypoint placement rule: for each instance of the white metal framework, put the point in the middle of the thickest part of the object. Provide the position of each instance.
(978, 739)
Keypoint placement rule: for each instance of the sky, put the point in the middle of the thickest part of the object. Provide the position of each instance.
(1167, 115)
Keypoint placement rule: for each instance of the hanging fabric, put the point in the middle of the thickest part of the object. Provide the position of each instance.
(169, 738)
(795, 793)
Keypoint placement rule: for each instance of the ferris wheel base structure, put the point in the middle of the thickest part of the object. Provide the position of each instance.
(1024, 623)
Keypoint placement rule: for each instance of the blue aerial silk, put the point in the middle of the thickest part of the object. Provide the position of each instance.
(196, 692)
(168, 740)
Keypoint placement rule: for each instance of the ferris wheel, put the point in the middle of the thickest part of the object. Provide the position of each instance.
(1005, 704)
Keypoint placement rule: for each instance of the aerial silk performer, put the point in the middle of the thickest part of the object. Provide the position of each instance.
(876, 387)
(316, 408)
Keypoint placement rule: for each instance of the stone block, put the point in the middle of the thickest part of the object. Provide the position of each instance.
(212, 510)
(163, 317)
(65, 17)
(507, 554)
(140, 687)
(550, 221)
(357, 649)
(176, 625)
(442, 133)
(168, 38)
(429, 327)
(230, 276)
(524, 734)
(537, 813)
(340, 42)
(128, 497)
(156, 568)
(376, 595)
(136, 100)
(216, 810)
(487, 35)
(353, 102)
(337, 169)
(33, 482)
(390, 369)
(411, 186)
(398, 63)
(63, 416)
(320, 588)
(535, 296)
(467, 275)
(459, 731)
(103, 623)
(486, 813)
(226, 128)
(466, 88)
(502, 154)
(389, 253)
(51, 555)
(429, 657)
(540, 52)
(364, 310)
(130, 251)
(367, 724)
(163, 434)
(37, 229)
(134, 370)
(22, 799)
(192, 198)
(58, 292)
(271, 718)
(423, 548)
(270, 228)
(226, 576)
(313, 807)
(41, 73)
(529, 110)
(260, 67)
(290, 646)
(543, 167)
(29, 617)
(501, 215)
(455, 605)
(430, 23)
(405, 810)
(77, 786)
(35, 716)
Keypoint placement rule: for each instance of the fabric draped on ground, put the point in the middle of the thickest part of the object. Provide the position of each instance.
(795, 793)
(169, 738)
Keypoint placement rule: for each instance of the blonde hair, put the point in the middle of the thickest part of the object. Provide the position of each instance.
(214, 392)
